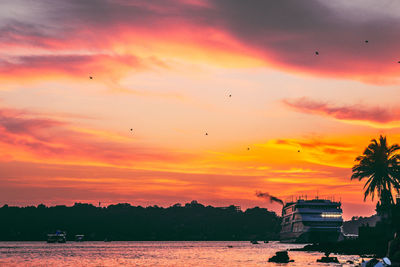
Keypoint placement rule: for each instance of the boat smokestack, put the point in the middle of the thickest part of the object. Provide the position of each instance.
(269, 197)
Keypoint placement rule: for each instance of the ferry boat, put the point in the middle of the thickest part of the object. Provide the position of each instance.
(311, 221)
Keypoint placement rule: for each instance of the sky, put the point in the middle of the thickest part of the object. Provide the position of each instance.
(224, 98)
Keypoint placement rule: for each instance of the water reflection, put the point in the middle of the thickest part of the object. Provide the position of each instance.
(153, 253)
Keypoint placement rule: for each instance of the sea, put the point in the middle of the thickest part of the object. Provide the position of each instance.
(149, 253)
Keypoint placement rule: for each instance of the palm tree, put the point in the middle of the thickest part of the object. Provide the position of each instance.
(380, 165)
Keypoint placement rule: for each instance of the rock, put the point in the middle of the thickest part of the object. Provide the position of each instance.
(371, 263)
(280, 257)
(328, 259)
(396, 256)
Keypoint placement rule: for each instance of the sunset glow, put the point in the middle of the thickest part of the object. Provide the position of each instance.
(223, 99)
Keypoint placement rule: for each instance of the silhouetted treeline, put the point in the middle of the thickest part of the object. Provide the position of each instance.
(192, 221)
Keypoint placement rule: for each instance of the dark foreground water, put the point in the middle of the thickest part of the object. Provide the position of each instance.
(154, 254)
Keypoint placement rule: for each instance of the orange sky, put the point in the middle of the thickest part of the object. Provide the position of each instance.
(166, 70)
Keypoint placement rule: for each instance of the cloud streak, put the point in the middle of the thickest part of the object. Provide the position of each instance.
(344, 112)
(41, 138)
(76, 66)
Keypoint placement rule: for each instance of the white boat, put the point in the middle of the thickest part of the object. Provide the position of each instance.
(311, 221)
(58, 237)
(79, 238)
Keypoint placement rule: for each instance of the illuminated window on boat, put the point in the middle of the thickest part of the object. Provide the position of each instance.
(331, 215)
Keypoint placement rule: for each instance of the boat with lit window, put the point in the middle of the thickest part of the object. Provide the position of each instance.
(311, 221)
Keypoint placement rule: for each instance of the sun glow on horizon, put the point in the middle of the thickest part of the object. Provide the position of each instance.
(154, 104)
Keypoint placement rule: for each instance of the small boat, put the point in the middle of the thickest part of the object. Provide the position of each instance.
(266, 241)
(254, 242)
(58, 237)
(79, 238)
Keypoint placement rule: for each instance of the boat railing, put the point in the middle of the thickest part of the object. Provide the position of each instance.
(295, 198)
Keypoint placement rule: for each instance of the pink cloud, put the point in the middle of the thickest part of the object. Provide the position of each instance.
(344, 112)
(20, 67)
(284, 34)
(55, 139)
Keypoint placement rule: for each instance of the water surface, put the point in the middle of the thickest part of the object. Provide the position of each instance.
(149, 253)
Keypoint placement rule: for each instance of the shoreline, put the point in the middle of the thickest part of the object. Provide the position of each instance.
(349, 247)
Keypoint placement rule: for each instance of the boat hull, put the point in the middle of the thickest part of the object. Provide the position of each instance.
(311, 236)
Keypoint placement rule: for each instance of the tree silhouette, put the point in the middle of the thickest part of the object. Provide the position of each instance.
(380, 165)
(124, 222)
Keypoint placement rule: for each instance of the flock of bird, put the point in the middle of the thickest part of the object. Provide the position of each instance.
(131, 129)
(316, 53)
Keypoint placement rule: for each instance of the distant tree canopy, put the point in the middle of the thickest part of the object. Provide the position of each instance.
(193, 221)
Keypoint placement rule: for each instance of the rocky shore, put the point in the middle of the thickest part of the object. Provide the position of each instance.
(373, 248)
(349, 247)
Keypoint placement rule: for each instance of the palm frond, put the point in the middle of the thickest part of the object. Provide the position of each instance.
(380, 165)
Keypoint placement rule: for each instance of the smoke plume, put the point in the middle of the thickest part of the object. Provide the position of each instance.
(269, 197)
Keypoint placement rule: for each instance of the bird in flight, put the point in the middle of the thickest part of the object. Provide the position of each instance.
(206, 133)
(230, 95)
(131, 130)
(366, 41)
(90, 77)
(317, 53)
(298, 150)
(248, 148)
